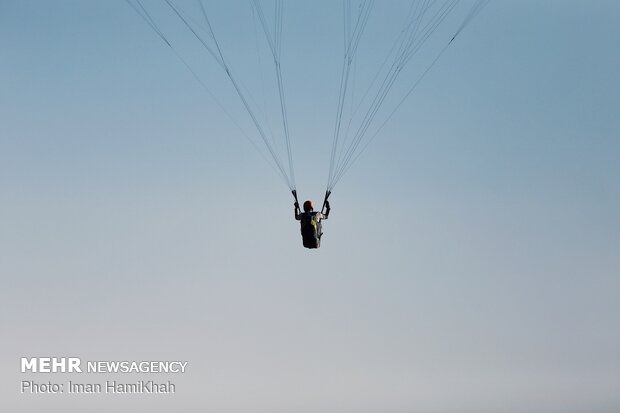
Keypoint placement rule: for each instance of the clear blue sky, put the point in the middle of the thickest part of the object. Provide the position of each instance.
(471, 262)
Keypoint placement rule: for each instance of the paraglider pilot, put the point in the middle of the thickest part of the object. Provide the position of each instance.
(311, 223)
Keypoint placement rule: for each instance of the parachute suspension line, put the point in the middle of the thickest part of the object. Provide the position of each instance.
(219, 57)
(352, 39)
(348, 58)
(216, 56)
(480, 4)
(474, 11)
(262, 75)
(346, 4)
(141, 11)
(417, 33)
(389, 117)
(376, 76)
(275, 45)
(145, 15)
(386, 84)
(430, 28)
(410, 44)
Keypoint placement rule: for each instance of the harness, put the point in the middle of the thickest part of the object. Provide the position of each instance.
(311, 230)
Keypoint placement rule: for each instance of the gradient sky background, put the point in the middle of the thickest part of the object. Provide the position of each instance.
(471, 263)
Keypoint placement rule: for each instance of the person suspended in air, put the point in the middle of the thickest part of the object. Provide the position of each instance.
(311, 223)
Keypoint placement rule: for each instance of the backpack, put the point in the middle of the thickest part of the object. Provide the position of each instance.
(310, 230)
